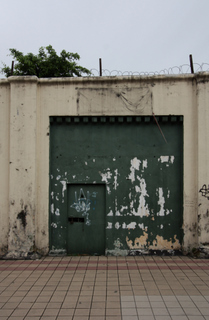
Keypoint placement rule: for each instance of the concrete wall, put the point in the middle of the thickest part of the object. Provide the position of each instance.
(26, 103)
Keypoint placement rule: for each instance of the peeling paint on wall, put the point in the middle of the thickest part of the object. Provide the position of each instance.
(135, 164)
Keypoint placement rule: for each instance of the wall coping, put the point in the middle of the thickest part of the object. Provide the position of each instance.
(106, 79)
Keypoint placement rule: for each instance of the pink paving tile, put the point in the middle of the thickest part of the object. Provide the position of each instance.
(70, 268)
(153, 267)
(132, 268)
(122, 268)
(60, 268)
(174, 268)
(112, 268)
(163, 267)
(92, 268)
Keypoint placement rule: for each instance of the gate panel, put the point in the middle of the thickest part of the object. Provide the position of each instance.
(86, 219)
(142, 176)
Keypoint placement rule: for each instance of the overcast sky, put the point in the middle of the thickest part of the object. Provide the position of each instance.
(129, 35)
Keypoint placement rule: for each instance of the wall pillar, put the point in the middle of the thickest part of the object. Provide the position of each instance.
(22, 172)
(203, 159)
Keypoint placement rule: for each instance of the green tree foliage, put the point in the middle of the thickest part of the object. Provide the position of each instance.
(45, 64)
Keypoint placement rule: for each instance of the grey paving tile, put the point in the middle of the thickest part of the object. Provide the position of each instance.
(128, 318)
(127, 298)
(144, 312)
(160, 312)
(176, 311)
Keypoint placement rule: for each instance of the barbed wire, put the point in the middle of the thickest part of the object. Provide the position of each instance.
(183, 69)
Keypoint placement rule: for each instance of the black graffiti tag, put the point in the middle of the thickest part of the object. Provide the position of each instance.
(205, 191)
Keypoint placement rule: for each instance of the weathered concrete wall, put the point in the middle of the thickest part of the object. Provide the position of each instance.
(26, 103)
(4, 164)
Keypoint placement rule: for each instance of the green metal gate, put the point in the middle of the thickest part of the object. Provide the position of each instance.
(134, 166)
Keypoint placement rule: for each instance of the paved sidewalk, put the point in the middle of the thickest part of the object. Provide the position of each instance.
(98, 288)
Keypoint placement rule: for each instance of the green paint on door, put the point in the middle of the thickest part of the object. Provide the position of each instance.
(86, 219)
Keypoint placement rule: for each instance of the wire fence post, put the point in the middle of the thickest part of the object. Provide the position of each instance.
(100, 67)
(191, 63)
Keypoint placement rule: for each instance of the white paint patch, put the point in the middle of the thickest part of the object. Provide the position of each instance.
(117, 225)
(94, 160)
(172, 159)
(161, 202)
(65, 173)
(52, 208)
(64, 187)
(131, 225)
(58, 169)
(54, 225)
(161, 226)
(52, 195)
(124, 225)
(74, 177)
(144, 164)
(168, 194)
(57, 197)
(57, 212)
(86, 163)
(113, 159)
(58, 177)
(108, 190)
(110, 214)
(142, 209)
(117, 213)
(141, 226)
(51, 176)
(106, 176)
(163, 159)
(135, 164)
(115, 183)
(123, 208)
(168, 159)
(109, 225)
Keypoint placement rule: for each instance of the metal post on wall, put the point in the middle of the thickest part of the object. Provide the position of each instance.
(100, 67)
(191, 63)
(12, 68)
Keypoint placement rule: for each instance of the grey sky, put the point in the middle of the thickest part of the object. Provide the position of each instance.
(129, 35)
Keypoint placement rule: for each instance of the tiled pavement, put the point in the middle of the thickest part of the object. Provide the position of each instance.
(111, 288)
